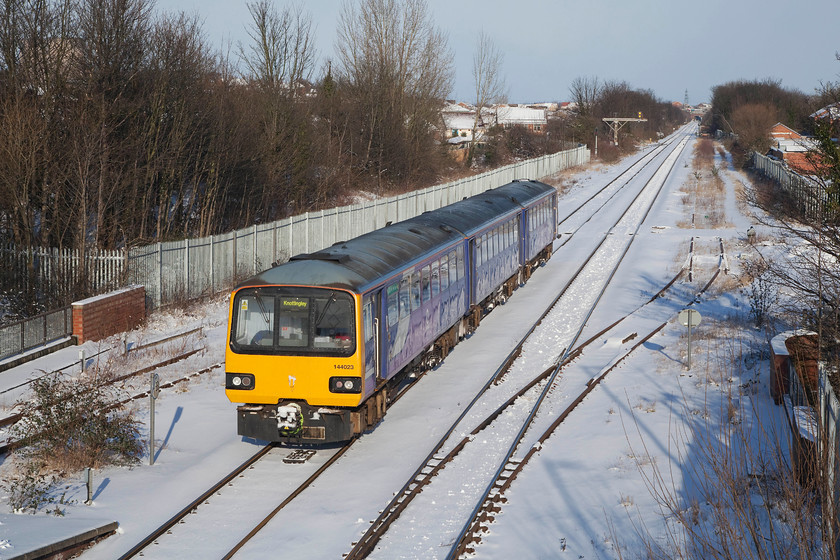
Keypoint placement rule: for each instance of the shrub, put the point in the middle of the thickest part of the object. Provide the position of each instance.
(68, 424)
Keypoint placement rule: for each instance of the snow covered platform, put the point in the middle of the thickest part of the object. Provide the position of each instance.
(30, 537)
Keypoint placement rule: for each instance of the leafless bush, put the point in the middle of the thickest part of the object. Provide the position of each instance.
(68, 424)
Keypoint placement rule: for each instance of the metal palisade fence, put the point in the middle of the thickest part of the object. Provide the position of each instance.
(829, 454)
(182, 270)
(802, 191)
(61, 272)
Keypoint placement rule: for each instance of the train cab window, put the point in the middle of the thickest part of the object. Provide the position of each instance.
(415, 290)
(293, 321)
(435, 278)
(254, 320)
(405, 297)
(426, 283)
(333, 322)
(453, 267)
(444, 272)
(393, 304)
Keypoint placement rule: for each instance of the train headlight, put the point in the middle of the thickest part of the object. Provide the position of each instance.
(345, 384)
(239, 381)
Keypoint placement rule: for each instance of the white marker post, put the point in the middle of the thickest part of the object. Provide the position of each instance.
(689, 318)
(154, 391)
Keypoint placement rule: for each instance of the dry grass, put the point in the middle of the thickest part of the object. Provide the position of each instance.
(706, 190)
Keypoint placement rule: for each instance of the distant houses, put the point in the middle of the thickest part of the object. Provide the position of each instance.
(459, 118)
(795, 150)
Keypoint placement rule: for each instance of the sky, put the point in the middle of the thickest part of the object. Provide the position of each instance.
(669, 47)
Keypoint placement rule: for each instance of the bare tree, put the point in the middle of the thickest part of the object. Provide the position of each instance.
(279, 62)
(585, 91)
(281, 52)
(396, 68)
(489, 81)
(752, 123)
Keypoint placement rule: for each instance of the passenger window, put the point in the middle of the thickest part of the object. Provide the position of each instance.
(460, 264)
(444, 272)
(393, 304)
(426, 283)
(415, 290)
(453, 268)
(405, 297)
(479, 251)
(435, 278)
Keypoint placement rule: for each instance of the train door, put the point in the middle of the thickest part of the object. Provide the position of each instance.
(370, 320)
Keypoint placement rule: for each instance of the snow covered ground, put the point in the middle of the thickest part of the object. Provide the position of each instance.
(584, 495)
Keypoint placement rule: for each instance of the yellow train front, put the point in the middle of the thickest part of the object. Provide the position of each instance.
(294, 357)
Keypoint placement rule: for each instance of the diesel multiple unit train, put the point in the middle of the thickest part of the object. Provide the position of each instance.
(318, 345)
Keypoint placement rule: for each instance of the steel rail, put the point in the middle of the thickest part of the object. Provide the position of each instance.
(14, 418)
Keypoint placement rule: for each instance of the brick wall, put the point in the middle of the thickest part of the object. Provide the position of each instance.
(101, 316)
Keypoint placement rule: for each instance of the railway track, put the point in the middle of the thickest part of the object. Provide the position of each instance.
(445, 451)
(266, 478)
(601, 197)
(437, 460)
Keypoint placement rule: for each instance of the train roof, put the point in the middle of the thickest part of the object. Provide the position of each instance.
(361, 262)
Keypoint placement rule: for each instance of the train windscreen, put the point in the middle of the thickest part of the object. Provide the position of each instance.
(293, 321)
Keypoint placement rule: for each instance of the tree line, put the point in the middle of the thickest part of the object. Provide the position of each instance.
(123, 126)
(596, 99)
